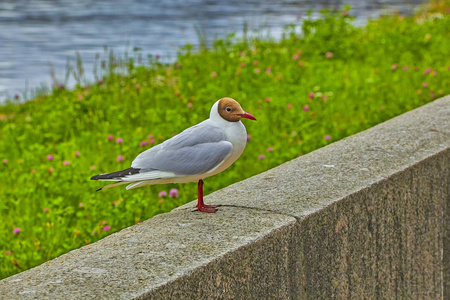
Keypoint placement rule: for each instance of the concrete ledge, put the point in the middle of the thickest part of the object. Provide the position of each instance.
(365, 217)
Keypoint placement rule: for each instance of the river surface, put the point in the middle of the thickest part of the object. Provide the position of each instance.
(37, 36)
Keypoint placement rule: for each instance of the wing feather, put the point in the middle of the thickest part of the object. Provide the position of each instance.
(148, 175)
(196, 150)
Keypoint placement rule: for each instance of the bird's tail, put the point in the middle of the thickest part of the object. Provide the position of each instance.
(136, 184)
(116, 176)
(113, 185)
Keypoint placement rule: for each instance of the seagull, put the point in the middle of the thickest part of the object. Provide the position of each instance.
(200, 151)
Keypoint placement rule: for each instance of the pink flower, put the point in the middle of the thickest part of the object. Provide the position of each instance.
(173, 193)
(270, 149)
(138, 86)
(257, 70)
(162, 194)
(213, 74)
(424, 84)
(81, 204)
(311, 95)
(296, 56)
(66, 162)
(77, 153)
(269, 70)
(110, 137)
(50, 170)
(143, 143)
(119, 140)
(267, 99)
(306, 108)
(150, 136)
(427, 70)
(189, 105)
(92, 168)
(434, 73)
(33, 171)
(49, 157)
(16, 230)
(405, 68)
(120, 158)
(327, 137)
(289, 106)
(94, 232)
(45, 209)
(106, 228)
(394, 66)
(255, 62)
(5, 161)
(7, 252)
(248, 138)
(152, 141)
(262, 156)
(115, 203)
(242, 64)
(300, 63)
(329, 54)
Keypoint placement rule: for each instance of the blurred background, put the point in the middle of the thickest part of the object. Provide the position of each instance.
(38, 37)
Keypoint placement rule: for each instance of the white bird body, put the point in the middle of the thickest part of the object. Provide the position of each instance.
(196, 153)
(235, 134)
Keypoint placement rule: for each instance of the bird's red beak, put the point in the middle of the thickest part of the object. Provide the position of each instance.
(248, 116)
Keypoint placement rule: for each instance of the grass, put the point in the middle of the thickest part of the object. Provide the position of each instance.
(307, 90)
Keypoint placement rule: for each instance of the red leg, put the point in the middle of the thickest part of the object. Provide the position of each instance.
(201, 206)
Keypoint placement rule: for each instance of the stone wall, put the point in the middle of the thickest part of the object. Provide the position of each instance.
(365, 217)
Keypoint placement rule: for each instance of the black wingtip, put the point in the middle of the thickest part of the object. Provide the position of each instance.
(116, 175)
(99, 189)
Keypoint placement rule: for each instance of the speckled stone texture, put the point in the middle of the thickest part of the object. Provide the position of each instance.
(367, 217)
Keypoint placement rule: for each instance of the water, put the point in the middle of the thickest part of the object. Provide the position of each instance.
(36, 35)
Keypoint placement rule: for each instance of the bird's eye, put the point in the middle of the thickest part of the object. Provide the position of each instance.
(228, 109)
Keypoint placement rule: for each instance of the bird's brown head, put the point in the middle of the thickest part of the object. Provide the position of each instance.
(231, 110)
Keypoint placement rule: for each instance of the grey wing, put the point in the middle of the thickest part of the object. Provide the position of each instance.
(194, 151)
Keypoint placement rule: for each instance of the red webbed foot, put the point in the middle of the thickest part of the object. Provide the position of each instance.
(201, 206)
(207, 208)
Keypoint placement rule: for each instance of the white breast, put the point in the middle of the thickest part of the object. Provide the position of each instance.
(236, 135)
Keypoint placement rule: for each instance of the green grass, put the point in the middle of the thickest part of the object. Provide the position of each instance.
(306, 90)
